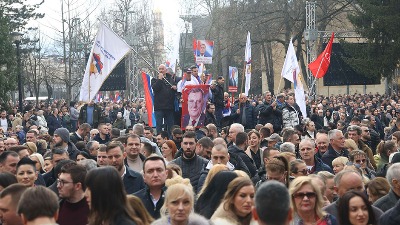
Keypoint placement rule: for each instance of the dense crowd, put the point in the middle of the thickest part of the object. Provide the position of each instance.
(255, 160)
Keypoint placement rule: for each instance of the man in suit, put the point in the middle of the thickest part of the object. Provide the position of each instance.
(195, 116)
(203, 52)
(233, 78)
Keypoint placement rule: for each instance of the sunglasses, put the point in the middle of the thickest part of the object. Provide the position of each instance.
(358, 161)
(304, 171)
(301, 195)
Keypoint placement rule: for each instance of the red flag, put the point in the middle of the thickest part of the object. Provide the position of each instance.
(320, 66)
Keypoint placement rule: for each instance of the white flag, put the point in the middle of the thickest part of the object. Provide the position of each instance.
(290, 63)
(107, 51)
(291, 71)
(247, 58)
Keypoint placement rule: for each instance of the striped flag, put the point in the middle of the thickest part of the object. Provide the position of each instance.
(149, 98)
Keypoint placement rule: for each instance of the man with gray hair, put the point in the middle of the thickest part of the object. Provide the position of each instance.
(233, 131)
(389, 201)
(335, 148)
(272, 204)
(288, 147)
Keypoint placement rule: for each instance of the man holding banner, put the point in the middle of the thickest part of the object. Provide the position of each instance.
(218, 99)
(164, 89)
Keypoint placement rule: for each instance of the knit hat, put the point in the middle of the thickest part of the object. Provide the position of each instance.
(63, 133)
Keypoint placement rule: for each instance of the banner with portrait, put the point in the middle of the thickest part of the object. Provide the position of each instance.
(203, 51)
(194, 105)
(233, 79)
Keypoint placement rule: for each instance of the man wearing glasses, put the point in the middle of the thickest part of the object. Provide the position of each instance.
(307, 153)
(71, 188)
(354, 132)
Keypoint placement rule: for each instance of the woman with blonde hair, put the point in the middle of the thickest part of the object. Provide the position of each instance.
(238, 202)
(307, 203)
(350, 144)
(339, 163)
(178, 204)
(38, 159)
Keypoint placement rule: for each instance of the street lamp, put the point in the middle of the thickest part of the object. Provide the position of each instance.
(16, 36)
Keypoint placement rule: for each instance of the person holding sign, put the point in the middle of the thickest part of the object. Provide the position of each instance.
(195, 116)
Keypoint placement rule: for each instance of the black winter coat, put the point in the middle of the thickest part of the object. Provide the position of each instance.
(191, 168)
(267, 114)
(164, 95)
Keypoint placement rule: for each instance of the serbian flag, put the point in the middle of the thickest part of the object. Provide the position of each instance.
(149, 98)
(194, 48)
(320, 66)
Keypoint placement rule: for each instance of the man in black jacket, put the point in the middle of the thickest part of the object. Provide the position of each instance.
(244, 113)
(239, 150)
(190, 163)
(164, 89)
(268, 112)
(218, 98)
(154, 174)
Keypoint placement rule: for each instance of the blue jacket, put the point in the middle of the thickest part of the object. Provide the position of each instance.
(133, 181)
(321, 166)
(53, 123)
(331, 154)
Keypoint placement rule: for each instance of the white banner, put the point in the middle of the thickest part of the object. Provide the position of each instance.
(107, 51)
(291, 71)
(247, 58)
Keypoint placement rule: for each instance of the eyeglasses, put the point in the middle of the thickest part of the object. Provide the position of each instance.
(366, 130)
(301, 195)
(62, 182)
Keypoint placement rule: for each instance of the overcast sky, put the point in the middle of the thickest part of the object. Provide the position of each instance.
(51, 26)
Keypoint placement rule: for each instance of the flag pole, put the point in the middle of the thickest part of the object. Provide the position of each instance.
(319, 67)
(244, 74)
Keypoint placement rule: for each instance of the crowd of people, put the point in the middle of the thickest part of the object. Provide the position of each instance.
(255, 160)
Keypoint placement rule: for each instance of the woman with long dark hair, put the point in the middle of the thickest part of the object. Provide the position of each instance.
(354, 209)
(107, 199)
